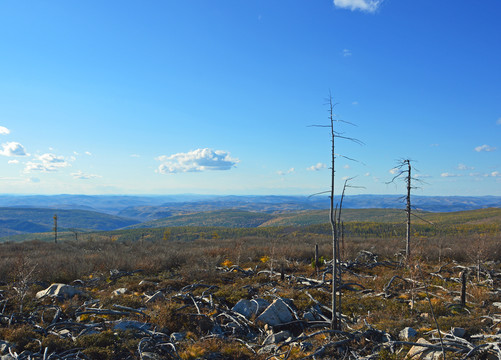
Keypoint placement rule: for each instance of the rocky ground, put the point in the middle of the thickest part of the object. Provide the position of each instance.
(389, 310)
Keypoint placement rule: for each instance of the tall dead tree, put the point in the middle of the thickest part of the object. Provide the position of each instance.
(404, 170)
(336, 273)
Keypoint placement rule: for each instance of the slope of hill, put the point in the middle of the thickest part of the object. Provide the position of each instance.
(247, 219)
(222, 218)
(31, 220)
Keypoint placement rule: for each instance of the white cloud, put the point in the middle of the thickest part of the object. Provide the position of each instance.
(4, 130)
(363, 5)
(317, 167)
(13, 161)
(499, 121)
(484, 148)
(13, 149)
(346, 52)
(195, 161)
(290, 171)
(367, 174)
(464, 167)
(82, 176)
(495, 174)
(46, 163)
(450, 175)
(346, 166)
(393, 171)
(135, 156)
(88, 153)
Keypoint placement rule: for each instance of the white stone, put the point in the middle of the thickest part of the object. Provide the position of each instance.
(119, 291)
(59, 290)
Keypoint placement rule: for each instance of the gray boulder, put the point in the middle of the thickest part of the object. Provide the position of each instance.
(61, 291)
(407, 334)
(248, 308)
(276, 314)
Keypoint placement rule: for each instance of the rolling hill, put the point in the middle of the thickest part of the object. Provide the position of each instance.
(32, 220)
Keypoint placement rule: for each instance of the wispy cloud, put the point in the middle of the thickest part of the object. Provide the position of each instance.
(15, 161)
(484, 148)
(4, 130)
(290, 171)
(363, 5)
(196, 161)
(499, 121)
(450, 175)
(317, 167)
(346, 52)
(82, 176)
(46, 163)
(13, 149)
(464, 167)
(393, 171)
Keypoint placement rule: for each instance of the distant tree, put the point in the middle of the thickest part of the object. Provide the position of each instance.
(404, 171)
(55, 228)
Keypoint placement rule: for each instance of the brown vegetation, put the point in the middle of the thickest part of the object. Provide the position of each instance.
(200, 280)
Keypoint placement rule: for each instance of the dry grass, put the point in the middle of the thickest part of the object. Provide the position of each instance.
(171, 265)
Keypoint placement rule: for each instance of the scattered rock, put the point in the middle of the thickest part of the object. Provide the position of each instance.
(276, 314)
(156, 296)
(61, 291)
(422, 352)
(277, 338)
(119, 291)
(407, 334)
(458, 332)
(124, 325)
(248, 308)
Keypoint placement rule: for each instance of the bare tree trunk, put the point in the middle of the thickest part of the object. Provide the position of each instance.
(408, 211)
(332, 219)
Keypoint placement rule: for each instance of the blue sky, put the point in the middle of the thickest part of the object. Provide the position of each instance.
(217, 97)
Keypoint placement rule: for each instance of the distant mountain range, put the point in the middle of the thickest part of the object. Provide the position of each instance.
(142, 206)
(34, 214)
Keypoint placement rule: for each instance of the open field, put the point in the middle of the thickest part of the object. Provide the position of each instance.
(170, 291)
